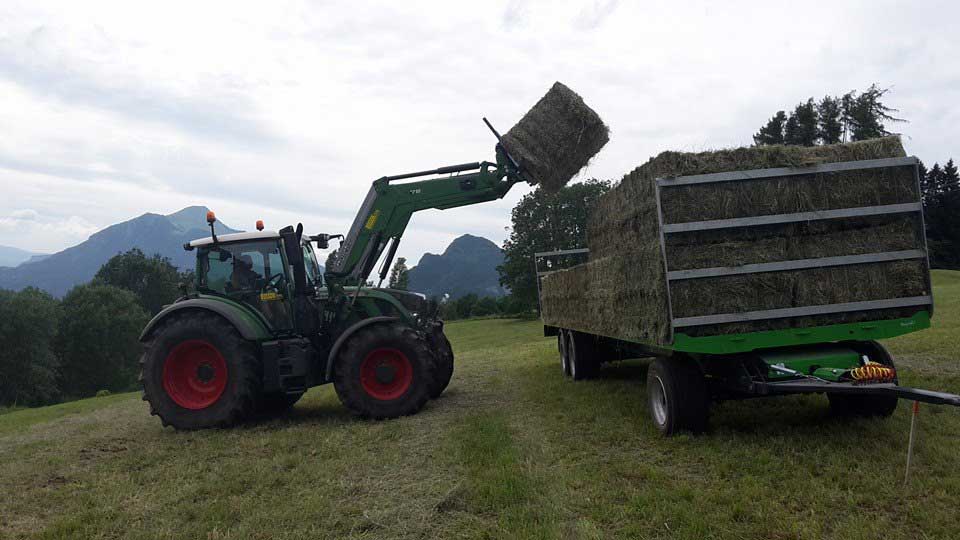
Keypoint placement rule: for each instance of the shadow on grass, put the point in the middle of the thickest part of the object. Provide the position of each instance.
(618, 395)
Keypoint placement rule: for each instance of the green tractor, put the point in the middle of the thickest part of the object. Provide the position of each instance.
(264, 324)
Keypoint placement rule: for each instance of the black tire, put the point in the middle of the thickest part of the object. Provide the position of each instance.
(443, 358)
(853, 405)
(222, 357)
(402, 357)
(677, 395)
(582, 356)
(277, 403)
(563, 339)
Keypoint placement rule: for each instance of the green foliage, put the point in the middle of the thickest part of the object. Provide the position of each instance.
(97, 342)
(103, 393)
(471, 305)
(28, 366)
(854, 116)
(772, 133)
(399, 275)
(940, 188)
(802, 127)
(545, 222)
(830, 127)
(154, 280)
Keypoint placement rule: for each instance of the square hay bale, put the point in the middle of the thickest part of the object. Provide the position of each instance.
(556, 138)
(625, 227)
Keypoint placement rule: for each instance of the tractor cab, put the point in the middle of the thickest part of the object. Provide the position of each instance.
(252, 268)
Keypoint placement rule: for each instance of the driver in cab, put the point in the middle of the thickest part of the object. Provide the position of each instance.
(243, 277)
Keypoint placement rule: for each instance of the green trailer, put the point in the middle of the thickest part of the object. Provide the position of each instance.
(829, 348)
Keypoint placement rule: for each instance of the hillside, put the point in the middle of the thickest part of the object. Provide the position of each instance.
(11, 256)
(152, 233)
(511, 450)
(468, 265)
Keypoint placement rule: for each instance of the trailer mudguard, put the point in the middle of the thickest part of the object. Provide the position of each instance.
(249, 326)
(328, 374)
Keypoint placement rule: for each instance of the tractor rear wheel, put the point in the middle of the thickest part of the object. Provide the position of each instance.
(198, 372)
(677, 395)
(443, 357)
(867, 405)
(384, 371)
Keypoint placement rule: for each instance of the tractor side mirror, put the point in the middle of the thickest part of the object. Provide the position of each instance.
(323, 239)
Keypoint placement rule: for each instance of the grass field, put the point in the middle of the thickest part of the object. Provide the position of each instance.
(512, 450)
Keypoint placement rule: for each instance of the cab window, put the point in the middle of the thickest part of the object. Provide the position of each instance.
(241, 267)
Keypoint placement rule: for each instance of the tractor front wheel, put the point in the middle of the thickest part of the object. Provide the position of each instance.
(198, 372)
(384, 371)
(443, 356)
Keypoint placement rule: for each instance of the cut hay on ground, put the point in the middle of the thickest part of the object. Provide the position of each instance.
(556, 138)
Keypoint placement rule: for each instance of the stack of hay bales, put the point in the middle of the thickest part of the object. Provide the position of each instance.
(622, 291)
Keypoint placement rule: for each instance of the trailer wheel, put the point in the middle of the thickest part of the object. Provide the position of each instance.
(677, 395)
(867, 405)
(562, 344)
(384, 371)
(582, 356)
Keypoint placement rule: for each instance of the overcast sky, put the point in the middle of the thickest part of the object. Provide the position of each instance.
(286, 111)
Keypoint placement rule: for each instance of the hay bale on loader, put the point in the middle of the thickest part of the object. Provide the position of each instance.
(556, 138)
(639, 230)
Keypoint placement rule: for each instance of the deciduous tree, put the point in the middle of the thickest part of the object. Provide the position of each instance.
(98, 339)
(28, 365)
(544, 222)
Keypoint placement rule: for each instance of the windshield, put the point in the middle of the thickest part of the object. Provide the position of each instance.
(241, 267)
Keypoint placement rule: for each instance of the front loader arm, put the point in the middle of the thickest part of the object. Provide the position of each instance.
(388, 206)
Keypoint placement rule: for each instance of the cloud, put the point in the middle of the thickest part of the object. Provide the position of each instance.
(288, 113)
(28, 224)
(44, 63)
(593, 15)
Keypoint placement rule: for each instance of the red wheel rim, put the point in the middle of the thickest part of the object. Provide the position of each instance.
(194, 374)
(386, 374)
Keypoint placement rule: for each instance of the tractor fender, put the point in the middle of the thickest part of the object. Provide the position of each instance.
(248, 329)
(328, 374)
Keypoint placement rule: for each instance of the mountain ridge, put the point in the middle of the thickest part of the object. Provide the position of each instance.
(467, 266)
(151, 233)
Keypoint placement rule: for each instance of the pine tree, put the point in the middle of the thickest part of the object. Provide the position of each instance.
(950, 179)
(791, 130)
(772, 133)
(399, 275)
(830, 129)
(935, 180)
(868, 115)
(807, 120)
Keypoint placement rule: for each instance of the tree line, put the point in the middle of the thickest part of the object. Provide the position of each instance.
(859, 116)
(54, 350)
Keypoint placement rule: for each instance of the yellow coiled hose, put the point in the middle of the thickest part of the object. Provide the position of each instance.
(873, 373)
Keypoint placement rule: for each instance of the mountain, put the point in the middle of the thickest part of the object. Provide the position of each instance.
(469, 265)
(152, 233)
(11, 256)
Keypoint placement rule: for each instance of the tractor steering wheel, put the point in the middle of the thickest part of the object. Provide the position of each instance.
(272, 282)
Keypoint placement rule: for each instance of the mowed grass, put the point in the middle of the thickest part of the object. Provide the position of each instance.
(512, 450)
